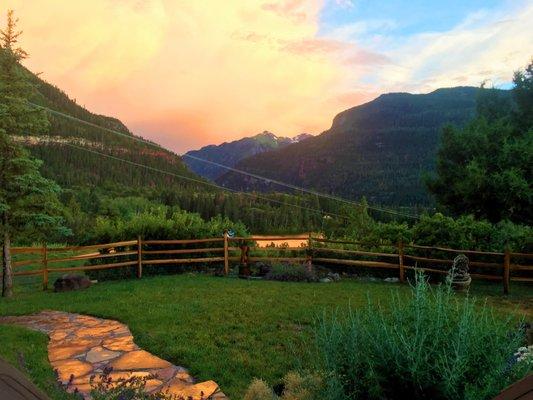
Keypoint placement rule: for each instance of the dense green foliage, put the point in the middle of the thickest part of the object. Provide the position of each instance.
(486, 169)
(277, 213)
(228, 330)
(378, 150)
(465, 232)
(229, 154)
(431, 345)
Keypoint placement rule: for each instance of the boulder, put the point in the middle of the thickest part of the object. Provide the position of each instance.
(335, 277)
(71, 282)
(392, 280)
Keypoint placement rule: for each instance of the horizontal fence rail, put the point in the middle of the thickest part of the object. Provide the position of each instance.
(136, 254)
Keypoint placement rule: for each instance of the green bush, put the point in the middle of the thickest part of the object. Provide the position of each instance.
(468, 233)
(464, 232)
(161, 224)
(156, 224)
(432, 345)
(291, 273)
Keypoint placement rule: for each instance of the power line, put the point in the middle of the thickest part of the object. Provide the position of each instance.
(255, 196)
(290, 186)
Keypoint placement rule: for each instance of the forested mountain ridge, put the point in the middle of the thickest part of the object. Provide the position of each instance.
(229, 154)
(95, 186)
(75, 167)
(379, 150)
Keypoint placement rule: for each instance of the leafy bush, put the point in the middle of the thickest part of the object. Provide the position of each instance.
(158, 224)
(431, 345)
(161, 224)
(291, 273)
(464, 232)
(468, 233)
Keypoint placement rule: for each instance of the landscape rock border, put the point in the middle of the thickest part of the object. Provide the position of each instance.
(83, 346)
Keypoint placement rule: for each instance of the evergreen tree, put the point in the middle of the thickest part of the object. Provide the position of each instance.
(28, 202)
(486, 168)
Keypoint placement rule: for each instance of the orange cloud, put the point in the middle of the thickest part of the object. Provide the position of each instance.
(188, 72)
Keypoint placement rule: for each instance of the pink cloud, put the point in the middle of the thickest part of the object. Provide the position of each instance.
(365, 57)
(292, 9)
(315, 46)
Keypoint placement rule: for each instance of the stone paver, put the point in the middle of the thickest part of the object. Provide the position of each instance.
(82, 347)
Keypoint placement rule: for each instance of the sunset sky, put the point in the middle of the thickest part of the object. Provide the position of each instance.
(187, 73)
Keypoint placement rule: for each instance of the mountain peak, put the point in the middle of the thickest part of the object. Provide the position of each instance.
(300, 137)
(266, 133)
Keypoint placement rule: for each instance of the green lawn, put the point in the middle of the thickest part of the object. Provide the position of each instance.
(224, 329)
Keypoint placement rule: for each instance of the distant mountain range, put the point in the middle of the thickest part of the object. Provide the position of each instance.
(229, 154)
(379, 150)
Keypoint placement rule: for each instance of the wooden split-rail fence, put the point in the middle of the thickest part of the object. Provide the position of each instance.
(224, 251)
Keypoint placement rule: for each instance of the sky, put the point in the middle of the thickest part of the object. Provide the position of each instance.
(187, 73)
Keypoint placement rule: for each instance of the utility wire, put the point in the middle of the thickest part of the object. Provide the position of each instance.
(255, 196)
(294, 187)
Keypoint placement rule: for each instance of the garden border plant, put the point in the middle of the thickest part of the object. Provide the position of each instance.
(434, 344)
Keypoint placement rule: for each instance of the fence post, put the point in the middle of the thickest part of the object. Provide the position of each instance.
(309, 253)
(226, 254)
(139, 258)
(506, 271)
(400, 258)
(244, 269)
(45, 267)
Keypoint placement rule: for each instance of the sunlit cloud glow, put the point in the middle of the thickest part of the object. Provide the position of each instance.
(188, 73)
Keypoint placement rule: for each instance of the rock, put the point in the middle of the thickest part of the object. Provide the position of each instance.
(392, 280)
(99, 354)
(138, 359)
(71, 282)
(334, 276)
(325, 280)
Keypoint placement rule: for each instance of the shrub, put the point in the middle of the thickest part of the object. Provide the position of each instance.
(464, 232)
(432, 345)
(156, 224)
(291, 273)
(296, 386)
(259, 390)
(132, 388)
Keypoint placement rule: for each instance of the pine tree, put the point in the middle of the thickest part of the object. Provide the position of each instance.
(28, 202)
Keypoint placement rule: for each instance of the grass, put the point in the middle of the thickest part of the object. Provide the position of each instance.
(228, 330)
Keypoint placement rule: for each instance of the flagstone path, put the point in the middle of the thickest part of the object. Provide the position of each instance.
(82, 346)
